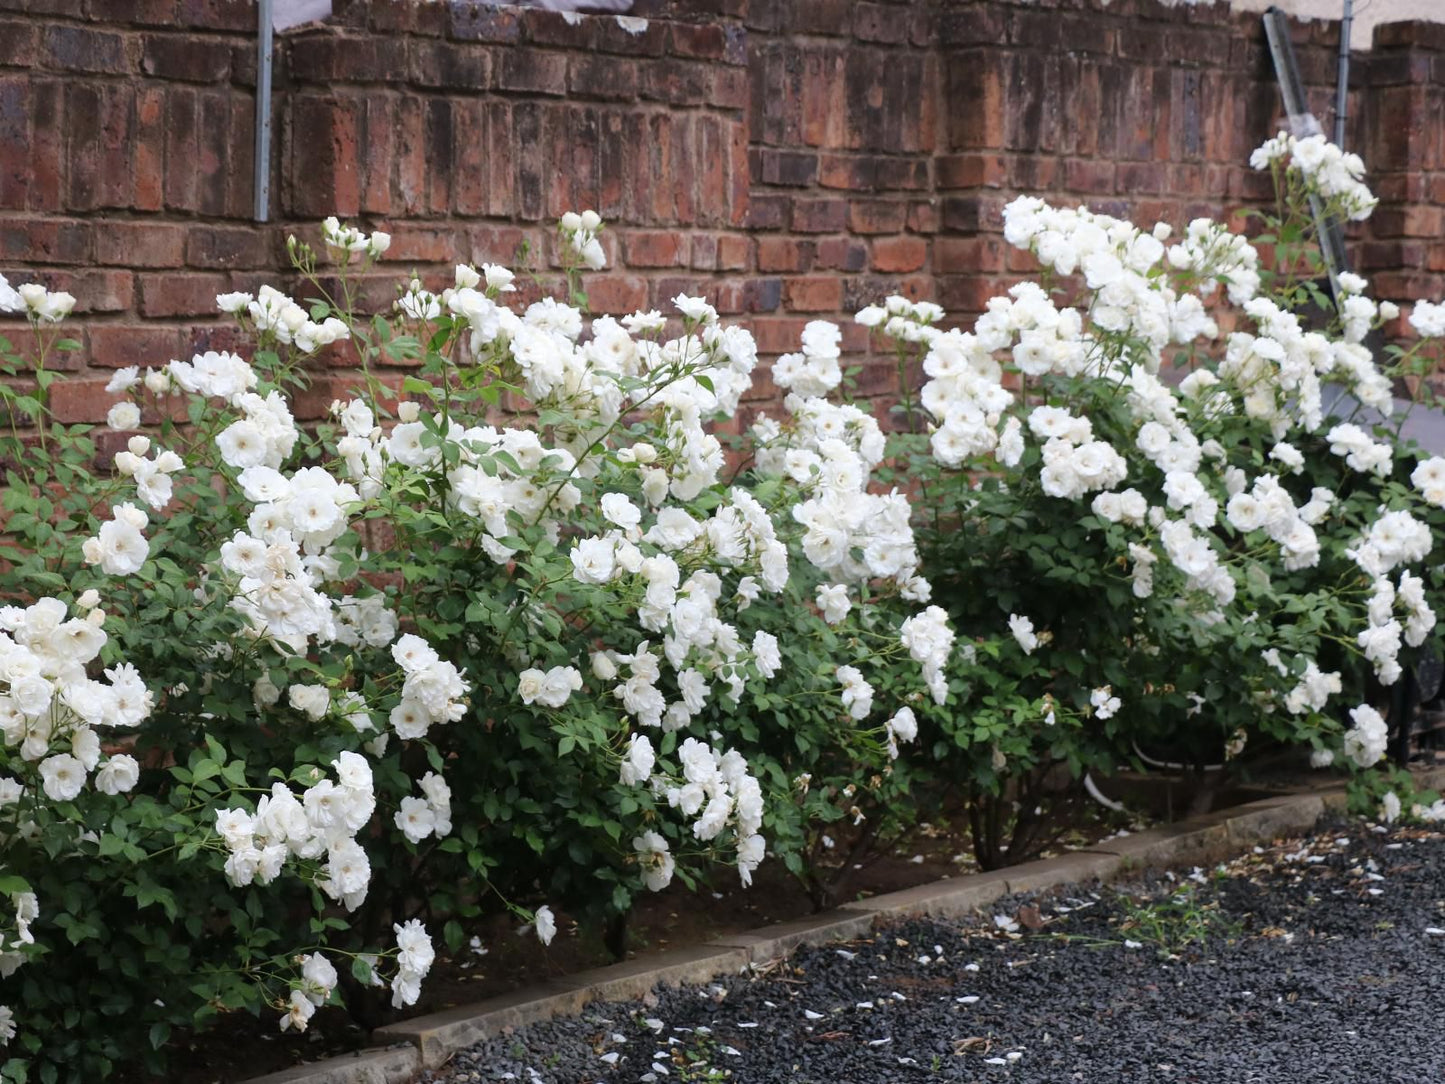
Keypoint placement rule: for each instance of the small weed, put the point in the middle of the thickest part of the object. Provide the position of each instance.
(1177, 922)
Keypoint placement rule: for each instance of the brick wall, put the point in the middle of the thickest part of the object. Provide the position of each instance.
(790, 159)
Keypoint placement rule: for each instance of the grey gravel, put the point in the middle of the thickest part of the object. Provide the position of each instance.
(1319, 968)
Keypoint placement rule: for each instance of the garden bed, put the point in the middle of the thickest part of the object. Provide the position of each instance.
(1305, 960)
(506, 959)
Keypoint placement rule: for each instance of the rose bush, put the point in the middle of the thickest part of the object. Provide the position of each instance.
(518, 633)
(1176, 509)
(315, 696)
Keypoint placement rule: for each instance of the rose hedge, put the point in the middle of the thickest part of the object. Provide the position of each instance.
(279, 706)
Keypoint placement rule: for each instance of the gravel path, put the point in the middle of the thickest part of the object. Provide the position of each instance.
(1323, 960)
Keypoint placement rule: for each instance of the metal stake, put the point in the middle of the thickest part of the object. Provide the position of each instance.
(263, 111)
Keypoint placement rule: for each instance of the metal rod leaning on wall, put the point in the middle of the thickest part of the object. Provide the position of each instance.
(263, 111)
(1302, 124)
(1342, 78)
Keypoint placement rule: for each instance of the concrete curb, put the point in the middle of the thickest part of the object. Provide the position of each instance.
(433, 1039)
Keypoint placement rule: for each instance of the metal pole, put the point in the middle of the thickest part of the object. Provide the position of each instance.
(263, 111)
(1342, 91)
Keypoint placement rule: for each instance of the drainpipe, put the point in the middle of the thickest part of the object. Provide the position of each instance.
(1342, 90)
(263, 111)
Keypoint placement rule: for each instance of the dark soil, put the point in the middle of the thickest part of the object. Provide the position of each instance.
(1312, 960)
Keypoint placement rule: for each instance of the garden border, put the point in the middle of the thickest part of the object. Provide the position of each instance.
(427, 1042)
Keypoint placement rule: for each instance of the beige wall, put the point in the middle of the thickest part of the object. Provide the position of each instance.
(1367, 13)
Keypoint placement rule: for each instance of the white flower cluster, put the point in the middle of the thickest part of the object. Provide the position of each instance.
(716, 789)
(272, 314)
(432, 813)
(324, 821)
(344, 241)
(1367, 740)
(41, 305)
(152, 476)
(119, 547)
(1329, 171)
(1428, 319)
(929, 641)
(581, 233)
(50, 698)
(432, 692)
(814, 372)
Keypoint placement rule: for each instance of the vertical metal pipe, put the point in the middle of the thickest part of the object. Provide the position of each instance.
(1342, 90)
(263, 111)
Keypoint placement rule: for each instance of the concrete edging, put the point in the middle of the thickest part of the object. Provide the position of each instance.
(434, 1038)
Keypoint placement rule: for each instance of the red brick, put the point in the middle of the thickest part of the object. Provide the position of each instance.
(842, 254)
(654, 249)
(556, 28)
(897, 254)
(81, 49)
(704, 41)
(335, 59)
(594, 76)
(80, 400)
(219, 248)
(815, 293)
(140, 12)
(532, 71)
(792, 168)
(820, 215)
(883, 23)
(149, 152)
(237, 15)
(734, 253)
(729, 88)
(784, 254)
(322, 159)
(19, 43)
(100, 145)
(181, 294)
(676, 82)
(967, 254)
(94, 291)
(186, 57)
(877, 216)
(476, 22)
(45, 241)
(923, 217)
(444, 65)
(616, 293)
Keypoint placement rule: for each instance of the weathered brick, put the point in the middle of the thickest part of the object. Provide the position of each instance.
(19, 43)
(734, 253)
(592, 76)
(820, 215)
(322, 157)
(186, 57)
(180, 294)
(100, 145)
(445, 65)
(481, 22)
(791, 168)
(841, 254)
(45, 241)
(784, 254)
(532, 71)
(815, 293)
(221, 248)
(95, 290)
(649, 248)
(899, 254)
(80, 400)
(237, 15)
(81, 49)
(877, 216)
(140, 244)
